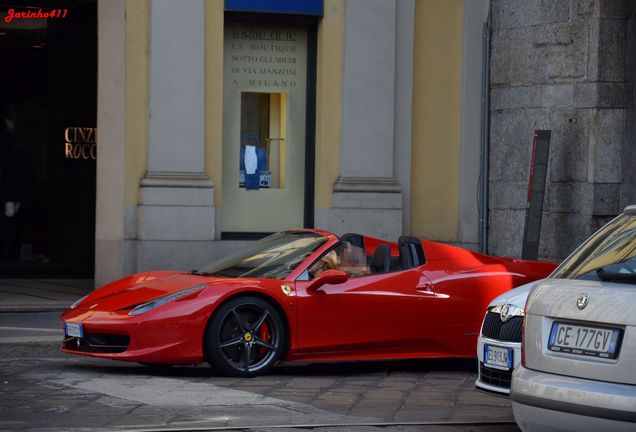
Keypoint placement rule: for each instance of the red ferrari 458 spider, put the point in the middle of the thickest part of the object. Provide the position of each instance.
(304, 295)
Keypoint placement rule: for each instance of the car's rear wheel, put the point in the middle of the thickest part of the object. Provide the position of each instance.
(245, 337)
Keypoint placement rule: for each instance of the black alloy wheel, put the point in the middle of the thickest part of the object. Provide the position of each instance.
(245, 337)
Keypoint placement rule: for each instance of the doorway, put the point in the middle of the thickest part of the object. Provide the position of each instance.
(47, 139)
(268, 127)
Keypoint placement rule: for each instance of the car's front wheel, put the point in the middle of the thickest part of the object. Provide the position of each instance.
(245, 337)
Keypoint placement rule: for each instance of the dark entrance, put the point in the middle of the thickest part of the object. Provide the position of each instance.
(48, 110)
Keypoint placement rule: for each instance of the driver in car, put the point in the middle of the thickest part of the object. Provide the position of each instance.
(327, 262)
(353, 261)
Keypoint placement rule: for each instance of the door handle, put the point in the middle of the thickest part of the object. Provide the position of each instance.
(425, 289)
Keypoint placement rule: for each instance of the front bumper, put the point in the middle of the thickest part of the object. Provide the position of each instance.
(156, 338)
(496, 380)
(548, 402)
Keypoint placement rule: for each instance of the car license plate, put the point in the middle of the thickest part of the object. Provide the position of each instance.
(497, 357)
(73, 330)
(584, 340)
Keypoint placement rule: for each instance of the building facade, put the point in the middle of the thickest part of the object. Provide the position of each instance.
(568, 67)
(200, 125)
(329, 98)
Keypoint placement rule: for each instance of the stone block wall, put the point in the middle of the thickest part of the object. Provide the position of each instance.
(567, 66)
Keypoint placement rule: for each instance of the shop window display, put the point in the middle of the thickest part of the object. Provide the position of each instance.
(262, 154)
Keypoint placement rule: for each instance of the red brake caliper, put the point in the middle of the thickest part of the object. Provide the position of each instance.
(265, 335)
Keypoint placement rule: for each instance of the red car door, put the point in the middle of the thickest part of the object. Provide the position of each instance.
(375, 316)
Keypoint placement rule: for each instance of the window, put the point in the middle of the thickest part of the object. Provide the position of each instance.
(263, 131)
(609, 255)
(275, 256)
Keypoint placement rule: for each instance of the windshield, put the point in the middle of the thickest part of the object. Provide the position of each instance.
(609, 255)
(273, 257)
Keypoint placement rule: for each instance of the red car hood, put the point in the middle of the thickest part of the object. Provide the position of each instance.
(140, 288)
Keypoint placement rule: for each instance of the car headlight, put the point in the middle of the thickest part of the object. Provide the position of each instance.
(74, 305)
(145, 307)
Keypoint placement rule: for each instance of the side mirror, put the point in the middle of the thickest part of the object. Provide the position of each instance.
(333, 277)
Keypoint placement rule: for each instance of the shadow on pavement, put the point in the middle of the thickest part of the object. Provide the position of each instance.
(285, 369)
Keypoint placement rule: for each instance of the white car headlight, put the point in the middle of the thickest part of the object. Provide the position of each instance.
(145, 307)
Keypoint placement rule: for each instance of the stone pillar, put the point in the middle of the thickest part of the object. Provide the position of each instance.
(475, 15)
(367, 197)
(562, 68)
(110, 250)
(403, 129)
(628, 187)
(176, 196)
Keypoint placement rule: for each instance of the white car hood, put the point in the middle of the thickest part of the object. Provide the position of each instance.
(516, 296)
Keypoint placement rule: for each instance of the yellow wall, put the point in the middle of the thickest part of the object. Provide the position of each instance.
(137, 82)
(137, 54)
(436, 107)
(436, 119)
(328, 101)
(214, 94)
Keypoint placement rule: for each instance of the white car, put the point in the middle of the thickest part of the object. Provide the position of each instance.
(578, 355)
(499, 342)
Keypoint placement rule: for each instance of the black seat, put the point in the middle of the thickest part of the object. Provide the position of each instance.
(411, 252)
(381, 261)
(406, 258)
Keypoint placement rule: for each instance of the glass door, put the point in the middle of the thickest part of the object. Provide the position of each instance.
(264, 101)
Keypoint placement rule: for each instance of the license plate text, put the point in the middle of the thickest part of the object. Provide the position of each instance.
(584, 340)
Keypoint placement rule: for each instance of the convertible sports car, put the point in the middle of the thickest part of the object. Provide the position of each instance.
(303, 295)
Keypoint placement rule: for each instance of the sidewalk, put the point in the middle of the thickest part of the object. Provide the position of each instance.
(30, 312)
(41, 295)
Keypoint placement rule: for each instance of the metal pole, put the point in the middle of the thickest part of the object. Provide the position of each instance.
(485, 141)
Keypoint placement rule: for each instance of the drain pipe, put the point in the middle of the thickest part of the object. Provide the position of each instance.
(485, 138)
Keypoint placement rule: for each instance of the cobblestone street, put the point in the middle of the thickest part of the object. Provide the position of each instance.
(47, 390)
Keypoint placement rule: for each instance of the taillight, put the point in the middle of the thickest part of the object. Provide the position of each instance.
(523, 334)
(523, 342)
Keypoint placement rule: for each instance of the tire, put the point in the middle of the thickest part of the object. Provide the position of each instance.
(245, 337)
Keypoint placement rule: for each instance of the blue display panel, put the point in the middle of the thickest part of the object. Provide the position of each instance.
(297, 7)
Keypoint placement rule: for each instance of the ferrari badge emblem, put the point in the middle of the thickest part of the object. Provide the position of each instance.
(286, 290)
(247, 337)
(582, 301)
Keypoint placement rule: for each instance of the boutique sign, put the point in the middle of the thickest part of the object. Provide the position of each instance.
(294, 7)
(264, 57)
(80, 143)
